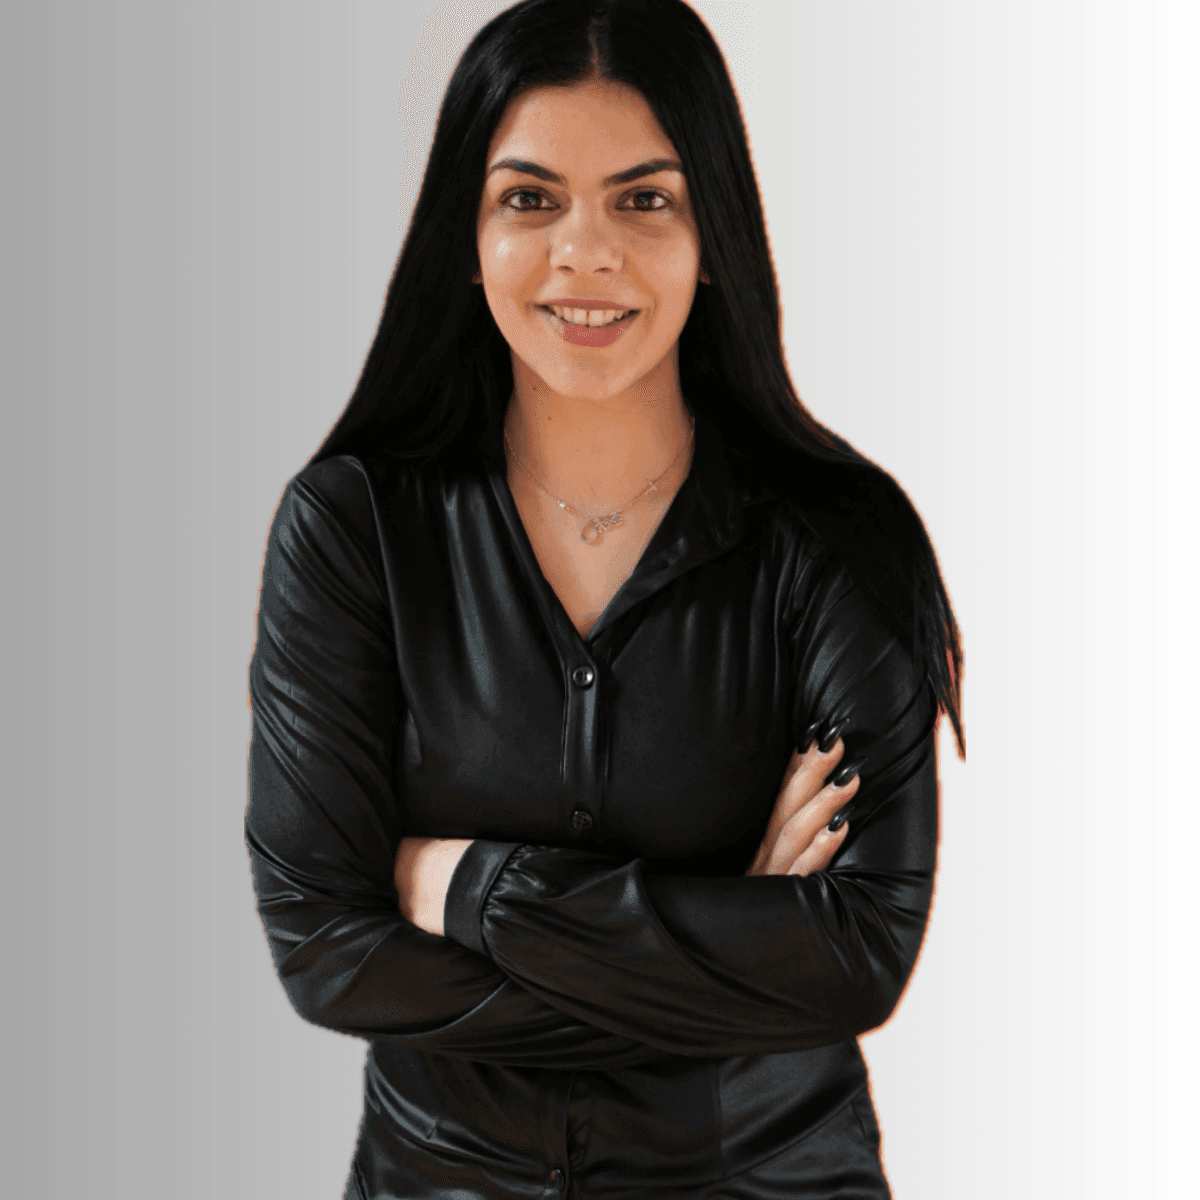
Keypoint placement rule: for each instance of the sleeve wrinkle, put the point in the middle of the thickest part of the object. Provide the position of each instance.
(862, 674)
(366, 554)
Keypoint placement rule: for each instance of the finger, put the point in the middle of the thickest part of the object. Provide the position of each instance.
(833, 799)
(837, 793)
(801, 829)
(809, 737)
(795, 764)
(816, 767)
(815, 801)
(815, 757)
(803, 780)
(820, 854)
(812, 752)
(789, 799)
(821, 735)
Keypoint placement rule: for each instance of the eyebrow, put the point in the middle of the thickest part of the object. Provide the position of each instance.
(531, 168)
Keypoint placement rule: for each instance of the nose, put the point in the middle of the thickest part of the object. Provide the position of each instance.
(587, 240)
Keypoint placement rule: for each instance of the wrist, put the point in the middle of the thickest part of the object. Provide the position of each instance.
(476, 872)
(443, 857)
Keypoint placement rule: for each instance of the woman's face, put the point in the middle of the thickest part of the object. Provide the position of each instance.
(562, 226)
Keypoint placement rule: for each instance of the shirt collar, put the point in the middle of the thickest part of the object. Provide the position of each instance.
(706, 518)
(720, 494)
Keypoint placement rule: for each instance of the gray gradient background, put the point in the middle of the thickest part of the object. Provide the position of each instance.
(982, 221)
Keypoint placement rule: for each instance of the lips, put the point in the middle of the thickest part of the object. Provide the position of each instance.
(590, 335)
(629, 315)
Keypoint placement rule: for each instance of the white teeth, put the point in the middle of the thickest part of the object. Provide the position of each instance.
(596, 317)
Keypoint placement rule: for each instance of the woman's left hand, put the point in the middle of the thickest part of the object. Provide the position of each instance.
(798, 840)
(422, 874)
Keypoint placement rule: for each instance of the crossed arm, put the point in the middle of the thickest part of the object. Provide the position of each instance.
(798, 840)
(542, 970)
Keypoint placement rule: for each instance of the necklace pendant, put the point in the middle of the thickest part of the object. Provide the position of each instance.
(594, 529)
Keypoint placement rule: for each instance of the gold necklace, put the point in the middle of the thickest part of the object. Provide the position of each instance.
(594, 527)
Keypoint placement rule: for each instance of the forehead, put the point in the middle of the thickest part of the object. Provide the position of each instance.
(583, 125)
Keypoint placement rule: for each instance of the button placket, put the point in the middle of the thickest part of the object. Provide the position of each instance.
(581, 751)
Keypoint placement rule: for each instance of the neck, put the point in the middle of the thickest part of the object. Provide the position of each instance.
(590, 451)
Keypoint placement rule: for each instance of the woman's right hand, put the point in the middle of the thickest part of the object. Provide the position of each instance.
(798, 840)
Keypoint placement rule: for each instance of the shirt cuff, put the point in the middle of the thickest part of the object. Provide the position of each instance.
(462, 918)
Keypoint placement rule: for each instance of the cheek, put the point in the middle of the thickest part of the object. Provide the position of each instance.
(507, 257)
(677, 270)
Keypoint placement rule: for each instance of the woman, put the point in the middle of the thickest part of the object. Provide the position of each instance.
(593, 775)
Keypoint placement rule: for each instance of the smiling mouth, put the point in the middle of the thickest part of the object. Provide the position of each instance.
(567, 316)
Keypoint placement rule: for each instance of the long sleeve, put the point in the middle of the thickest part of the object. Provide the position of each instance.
(323, 820)
(710, 967)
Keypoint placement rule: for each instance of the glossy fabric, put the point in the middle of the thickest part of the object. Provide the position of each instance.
(616, 1010)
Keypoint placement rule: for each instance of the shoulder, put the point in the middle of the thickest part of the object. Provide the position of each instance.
(330, 499)
(836, 500)
(823, 499)
(847, 538)
(354, 492)
(340, 484)
(324, 578)
(330, 517)
(854, 523)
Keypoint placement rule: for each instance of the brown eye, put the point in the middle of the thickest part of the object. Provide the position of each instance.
(519, 207)
(651, 195)
(643, 201)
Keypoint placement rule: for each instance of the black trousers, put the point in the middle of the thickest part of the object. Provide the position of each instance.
(838, 1160)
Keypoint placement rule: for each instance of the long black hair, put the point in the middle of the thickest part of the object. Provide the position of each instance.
(439, 369)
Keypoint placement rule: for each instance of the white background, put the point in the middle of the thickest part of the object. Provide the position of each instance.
(983, 218)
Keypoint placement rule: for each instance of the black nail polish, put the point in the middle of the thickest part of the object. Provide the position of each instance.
(808, 737)
(827, 742)
(838, 821)
(843, 775)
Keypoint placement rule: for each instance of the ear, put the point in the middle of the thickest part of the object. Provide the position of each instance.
(704, 277)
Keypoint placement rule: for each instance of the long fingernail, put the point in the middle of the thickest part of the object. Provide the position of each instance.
(843, 775)
(838, 821)
(829, 740)
(808, 736)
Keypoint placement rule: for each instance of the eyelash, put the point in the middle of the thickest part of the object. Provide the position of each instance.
(523, 191)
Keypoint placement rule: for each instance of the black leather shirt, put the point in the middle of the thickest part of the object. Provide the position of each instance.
(616, 1010)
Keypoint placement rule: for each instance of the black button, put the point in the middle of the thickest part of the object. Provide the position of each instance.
(557, 1178)
(581, 820)
(583, 676)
